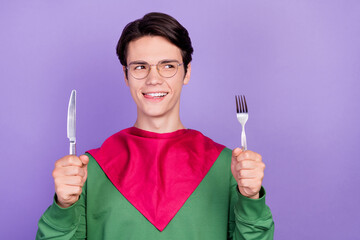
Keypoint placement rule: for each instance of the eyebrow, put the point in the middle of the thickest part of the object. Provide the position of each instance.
(161, 61)
(138, 62)
(168, 60)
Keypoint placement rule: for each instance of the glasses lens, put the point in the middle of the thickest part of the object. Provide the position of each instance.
(168, 69)
(139, 70)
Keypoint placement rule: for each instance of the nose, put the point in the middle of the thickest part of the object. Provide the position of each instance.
(154, 77)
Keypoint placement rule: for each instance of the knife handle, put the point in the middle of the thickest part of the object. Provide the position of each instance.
(72, 148)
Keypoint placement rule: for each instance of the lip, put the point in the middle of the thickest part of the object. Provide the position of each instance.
(150, 96)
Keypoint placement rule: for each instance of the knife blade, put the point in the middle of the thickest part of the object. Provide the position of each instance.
(71, 123)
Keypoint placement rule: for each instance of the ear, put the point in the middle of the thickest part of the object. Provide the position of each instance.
(187, 75)
(125, 77)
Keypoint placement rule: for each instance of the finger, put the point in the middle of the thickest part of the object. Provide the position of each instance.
(68, 193)
(252, 183)
(84, 159)
(250, 174)
(245, 164)
(249, 155)
(243, 182)
(85, 177)
(249, 192)
(69, 171)
(69, 160)
(69, 180)
(74, 171)
(247, 174)
(236, 152)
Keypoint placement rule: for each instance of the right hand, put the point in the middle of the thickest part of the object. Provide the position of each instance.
(69, 175)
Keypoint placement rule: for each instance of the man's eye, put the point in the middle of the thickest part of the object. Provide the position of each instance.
(139, 67)
(169, 65)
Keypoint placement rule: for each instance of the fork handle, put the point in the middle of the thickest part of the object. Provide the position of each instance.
(243, 139)
(72, 150)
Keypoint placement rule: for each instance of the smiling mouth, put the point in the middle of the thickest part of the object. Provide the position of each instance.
(155, 95)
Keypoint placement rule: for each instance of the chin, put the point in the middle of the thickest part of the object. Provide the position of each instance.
(154, 114)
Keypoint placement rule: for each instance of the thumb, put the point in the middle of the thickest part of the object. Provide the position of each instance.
(236, 152)
(84, 159)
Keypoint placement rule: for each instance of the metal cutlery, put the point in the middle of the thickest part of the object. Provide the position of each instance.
(71, 123)
(242, 116)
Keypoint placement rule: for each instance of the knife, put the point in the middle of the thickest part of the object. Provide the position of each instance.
(71, 122)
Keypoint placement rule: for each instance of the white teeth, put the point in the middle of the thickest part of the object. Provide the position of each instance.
(156, 94)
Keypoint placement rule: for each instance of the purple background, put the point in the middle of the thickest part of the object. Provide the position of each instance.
(297, 62)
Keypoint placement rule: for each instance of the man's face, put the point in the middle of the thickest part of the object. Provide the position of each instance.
(156, 96)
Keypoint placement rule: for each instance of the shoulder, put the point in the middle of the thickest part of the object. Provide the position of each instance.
(197, 136)
(92, 162)
(224, 158)
(226, 153)
(109, 143)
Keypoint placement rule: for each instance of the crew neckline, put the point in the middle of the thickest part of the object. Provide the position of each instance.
(147, 134)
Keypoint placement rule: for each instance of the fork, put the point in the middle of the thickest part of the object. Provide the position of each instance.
(242, 116)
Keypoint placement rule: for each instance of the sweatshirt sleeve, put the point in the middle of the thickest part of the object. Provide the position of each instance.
(64, 223)
(253, 218)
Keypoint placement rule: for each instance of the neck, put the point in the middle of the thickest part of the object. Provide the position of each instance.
(161, 124)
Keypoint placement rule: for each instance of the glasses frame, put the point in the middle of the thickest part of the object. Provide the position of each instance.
(153, 65)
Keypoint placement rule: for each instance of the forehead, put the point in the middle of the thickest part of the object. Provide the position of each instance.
(152, 49)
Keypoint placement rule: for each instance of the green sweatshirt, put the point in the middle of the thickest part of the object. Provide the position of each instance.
(215, 211)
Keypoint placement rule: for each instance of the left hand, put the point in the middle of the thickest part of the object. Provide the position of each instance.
(248, 170)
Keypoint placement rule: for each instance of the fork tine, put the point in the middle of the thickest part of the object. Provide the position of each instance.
(246, 110)
(240, 106)
(242, 103)
(237, 105)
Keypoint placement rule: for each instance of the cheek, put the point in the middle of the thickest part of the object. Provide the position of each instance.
(176, 85)
(133, 86)
(133, 91)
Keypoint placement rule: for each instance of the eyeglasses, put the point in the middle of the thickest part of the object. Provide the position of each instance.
(140, 70)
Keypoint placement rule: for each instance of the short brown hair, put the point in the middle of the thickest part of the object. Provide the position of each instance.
(156, 24)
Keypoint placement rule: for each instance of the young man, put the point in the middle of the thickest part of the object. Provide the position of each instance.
(157, 179)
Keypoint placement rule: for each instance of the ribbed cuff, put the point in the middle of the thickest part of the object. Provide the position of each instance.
(62, 218)
(251, 209)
